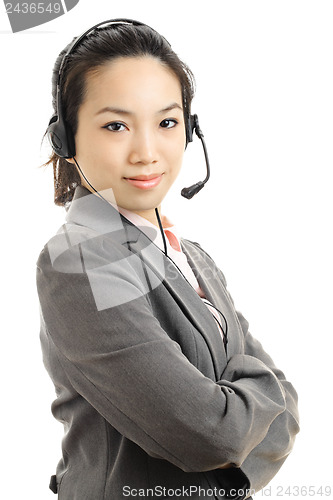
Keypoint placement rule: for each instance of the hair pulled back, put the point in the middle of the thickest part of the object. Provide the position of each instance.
(95, 50)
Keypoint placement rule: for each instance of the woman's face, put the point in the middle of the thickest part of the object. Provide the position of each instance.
(131, 132)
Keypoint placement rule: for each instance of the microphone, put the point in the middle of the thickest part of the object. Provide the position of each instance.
(190, 191)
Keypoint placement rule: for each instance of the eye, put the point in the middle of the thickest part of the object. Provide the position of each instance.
(168, 123)
(115, 127)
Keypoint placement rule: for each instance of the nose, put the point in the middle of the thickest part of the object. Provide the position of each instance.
(143, 148)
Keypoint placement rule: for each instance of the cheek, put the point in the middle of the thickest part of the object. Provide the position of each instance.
(96, 149)
(176, 152)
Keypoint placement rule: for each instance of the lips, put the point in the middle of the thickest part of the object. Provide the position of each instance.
(144, 181)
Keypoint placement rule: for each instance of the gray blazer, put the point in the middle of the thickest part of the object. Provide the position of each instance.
(150, 398)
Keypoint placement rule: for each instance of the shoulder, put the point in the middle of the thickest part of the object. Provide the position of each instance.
(76, 248)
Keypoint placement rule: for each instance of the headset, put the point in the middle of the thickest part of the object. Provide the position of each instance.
(61, 136)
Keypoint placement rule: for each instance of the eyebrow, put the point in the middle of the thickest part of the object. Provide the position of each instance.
(120, 111)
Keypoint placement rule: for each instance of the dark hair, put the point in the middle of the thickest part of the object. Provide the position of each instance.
(95, 50)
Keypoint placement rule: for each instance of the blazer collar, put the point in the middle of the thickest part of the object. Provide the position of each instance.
(89, 210)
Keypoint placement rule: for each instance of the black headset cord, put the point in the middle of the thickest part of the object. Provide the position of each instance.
(85, 178)
(162, 232)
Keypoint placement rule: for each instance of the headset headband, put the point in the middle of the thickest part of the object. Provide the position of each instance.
(78, 39)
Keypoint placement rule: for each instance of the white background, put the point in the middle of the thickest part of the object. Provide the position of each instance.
(264, 97)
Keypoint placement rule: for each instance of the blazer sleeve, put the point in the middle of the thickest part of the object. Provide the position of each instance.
(122, 362)
(267, 457)
(264, 461)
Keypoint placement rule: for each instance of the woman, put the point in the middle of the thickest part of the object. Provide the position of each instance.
(162, 390)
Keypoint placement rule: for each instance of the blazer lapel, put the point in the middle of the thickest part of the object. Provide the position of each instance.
(210, 281)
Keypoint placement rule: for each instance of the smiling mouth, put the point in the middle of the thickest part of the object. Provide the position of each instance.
(145, 181)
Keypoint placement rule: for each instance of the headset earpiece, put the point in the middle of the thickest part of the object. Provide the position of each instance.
(61, 138)
(190, 125)
(60, 134)
(193, 125)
